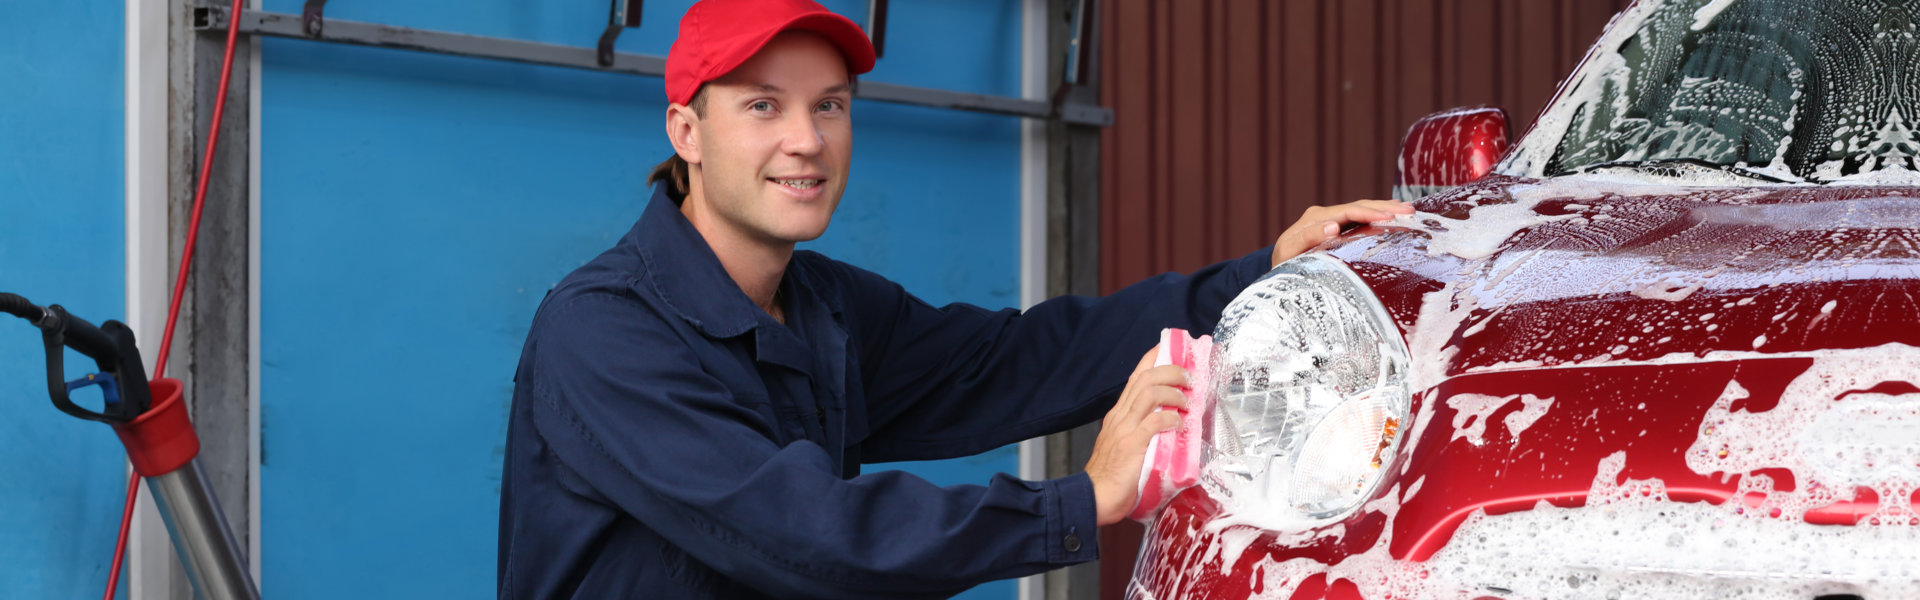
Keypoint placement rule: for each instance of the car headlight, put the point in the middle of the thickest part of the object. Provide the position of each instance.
(1310, 382)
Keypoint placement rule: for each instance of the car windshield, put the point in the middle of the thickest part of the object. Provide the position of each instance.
(1769, 90)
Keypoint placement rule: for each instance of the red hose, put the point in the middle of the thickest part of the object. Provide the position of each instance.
(186, 266)
(126, 522)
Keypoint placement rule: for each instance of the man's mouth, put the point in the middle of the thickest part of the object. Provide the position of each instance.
(799, 184)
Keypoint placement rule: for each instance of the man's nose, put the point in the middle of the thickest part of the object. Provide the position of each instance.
(802, 136)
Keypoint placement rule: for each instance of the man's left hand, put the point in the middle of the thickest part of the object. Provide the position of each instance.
(1322, 223)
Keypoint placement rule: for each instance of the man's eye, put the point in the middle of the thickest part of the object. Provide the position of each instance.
(761, 106)
(829, 106)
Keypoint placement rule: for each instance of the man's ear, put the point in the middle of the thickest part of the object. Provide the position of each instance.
(683, 132)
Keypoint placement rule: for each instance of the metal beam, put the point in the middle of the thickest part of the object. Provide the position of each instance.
(262, 23)
(1073, 236)
(877, 26)
(217, 349)
(212, 348)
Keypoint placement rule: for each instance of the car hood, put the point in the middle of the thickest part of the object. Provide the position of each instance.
(1511, 273)
(1616, 382)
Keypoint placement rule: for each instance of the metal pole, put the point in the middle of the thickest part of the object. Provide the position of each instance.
(200, 535)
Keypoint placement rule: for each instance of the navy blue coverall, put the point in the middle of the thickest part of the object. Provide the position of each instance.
(669, 439)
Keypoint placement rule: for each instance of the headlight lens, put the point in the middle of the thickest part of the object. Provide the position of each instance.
(1311, 388)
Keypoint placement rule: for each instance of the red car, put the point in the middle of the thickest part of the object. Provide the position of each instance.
(1665, 346)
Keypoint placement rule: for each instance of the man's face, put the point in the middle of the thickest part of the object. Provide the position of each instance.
(776, 142)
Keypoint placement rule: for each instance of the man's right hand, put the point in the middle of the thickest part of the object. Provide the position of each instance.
(1321, 223)
(1122, 444)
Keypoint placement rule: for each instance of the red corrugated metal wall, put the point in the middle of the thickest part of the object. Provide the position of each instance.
(1233, 116)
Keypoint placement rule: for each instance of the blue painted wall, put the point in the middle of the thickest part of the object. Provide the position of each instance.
(62, 240)
(415, 208)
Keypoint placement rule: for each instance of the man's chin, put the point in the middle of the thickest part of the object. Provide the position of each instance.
(805, 236)
(795, 230)
(804, 227)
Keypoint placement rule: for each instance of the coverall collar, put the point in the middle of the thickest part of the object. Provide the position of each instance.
(683, 270)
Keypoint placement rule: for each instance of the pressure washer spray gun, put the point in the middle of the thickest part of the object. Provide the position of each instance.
(160, 440)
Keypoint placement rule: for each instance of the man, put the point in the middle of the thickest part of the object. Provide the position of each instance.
(693, 407)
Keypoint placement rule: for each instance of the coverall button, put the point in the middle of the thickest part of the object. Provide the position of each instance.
(1072, 542)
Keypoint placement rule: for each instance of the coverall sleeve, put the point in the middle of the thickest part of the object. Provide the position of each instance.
(958, 380)
(624, 403)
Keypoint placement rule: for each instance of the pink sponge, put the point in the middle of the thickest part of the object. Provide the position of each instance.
(1173, 456)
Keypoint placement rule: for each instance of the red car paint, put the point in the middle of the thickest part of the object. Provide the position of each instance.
(1648, 315)
(1651, 411)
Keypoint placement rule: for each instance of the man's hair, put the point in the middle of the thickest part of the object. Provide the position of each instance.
(674, 169)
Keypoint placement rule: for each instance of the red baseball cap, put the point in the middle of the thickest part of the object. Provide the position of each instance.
(718, 35)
